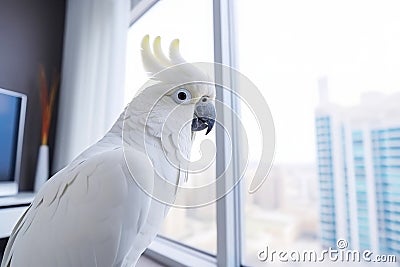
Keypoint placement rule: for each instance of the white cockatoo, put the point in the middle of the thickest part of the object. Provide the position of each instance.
(94, 212)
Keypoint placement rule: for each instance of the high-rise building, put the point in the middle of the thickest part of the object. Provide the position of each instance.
(358, 150)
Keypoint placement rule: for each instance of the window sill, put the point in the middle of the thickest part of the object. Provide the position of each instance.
(171, 253)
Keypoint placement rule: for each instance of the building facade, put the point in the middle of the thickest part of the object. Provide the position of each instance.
(358, 151)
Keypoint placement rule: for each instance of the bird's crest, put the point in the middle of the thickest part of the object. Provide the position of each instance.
(165, 69)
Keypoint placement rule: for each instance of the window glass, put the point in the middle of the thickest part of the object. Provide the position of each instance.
(329, 72)
(191, 21)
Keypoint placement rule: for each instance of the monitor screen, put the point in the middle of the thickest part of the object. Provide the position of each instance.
(11, 107)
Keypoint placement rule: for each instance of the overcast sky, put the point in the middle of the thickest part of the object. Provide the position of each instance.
(284, 47)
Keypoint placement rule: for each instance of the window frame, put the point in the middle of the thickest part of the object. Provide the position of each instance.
(229, 208)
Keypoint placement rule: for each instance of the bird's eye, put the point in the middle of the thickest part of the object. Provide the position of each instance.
(182, 95)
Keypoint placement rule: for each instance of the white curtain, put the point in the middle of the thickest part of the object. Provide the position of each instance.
(91, 95)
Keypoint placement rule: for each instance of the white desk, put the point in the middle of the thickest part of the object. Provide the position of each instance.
(11, 209)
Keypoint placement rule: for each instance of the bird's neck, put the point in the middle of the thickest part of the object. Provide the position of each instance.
(136, 128)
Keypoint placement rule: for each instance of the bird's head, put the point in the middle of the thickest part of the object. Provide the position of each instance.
(179, 92)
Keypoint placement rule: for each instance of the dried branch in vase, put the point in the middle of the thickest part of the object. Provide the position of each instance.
(47, 99)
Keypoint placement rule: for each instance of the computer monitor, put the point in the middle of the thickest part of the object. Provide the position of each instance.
(12, 121)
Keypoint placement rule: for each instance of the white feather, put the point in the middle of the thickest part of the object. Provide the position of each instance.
(174, 53)
(150, 63)
(159, 53)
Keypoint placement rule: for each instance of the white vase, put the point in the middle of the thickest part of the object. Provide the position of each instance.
(42, 168)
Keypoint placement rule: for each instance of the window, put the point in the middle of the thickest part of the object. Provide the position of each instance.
(297, 52)
(191, 22)
(316, 63)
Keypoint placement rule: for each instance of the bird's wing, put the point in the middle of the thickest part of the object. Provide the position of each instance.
(86, 215)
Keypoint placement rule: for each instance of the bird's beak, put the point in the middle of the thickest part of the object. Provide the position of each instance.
(204, 116)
